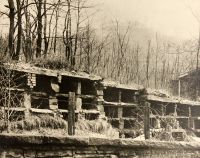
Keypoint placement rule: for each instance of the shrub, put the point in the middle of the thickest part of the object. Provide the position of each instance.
(3, 125)
(32, 122)
(52, 62)
(48, 121)
(99, 126)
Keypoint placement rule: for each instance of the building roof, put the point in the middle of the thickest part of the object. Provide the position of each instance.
(166, 98)
(189, 73)
(49, 72)
(115, 84)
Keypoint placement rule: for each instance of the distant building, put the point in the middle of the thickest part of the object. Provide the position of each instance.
(187, 85)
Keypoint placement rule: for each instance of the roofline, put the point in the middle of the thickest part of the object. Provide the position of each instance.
(49, 72)
(172, 100)
(118, 85)
(188, 73)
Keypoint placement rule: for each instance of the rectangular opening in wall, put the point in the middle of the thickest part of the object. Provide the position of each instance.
(39, 102)
(129, 124)
(130, 112)
(157, 108)
(183, 122)
(43, 84)
(63, 103)
(170, 109)
(68, 84)
(91, 116)
(111, 112)
(195, 111)
(153, 123)
(197, 124)
(182, 110)
(129, 135)
(111, 94)
(114, 123)
(19, 79)
(88, 104)
(87, 87)
(128, 96)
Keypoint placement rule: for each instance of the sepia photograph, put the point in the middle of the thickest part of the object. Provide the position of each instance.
(100, 79)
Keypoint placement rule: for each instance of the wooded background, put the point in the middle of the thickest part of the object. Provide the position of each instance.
(61, 34)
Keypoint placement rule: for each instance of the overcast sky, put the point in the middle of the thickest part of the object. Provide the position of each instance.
(170, 17)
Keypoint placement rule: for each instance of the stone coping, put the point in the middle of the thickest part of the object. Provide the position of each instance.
(30, 140)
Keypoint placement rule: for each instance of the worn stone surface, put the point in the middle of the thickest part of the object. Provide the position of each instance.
(18, 146)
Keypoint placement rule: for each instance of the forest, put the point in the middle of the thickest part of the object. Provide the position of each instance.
(63, 34)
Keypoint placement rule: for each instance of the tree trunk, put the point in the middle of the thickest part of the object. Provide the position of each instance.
(156, 64)
(56, 27)
(197, 68)
(137, 64)
(39, 29)
(147, 63)
(19, 24)
(11, 29)
(28, 52)
(46, 41)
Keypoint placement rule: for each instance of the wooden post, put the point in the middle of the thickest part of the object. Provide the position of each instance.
(175, 110)
(147, 120)
(162, 110)
(53, 104)
(120, 110)
(27, 104)
(99, 101)
(120, 114)
(71, 113)
(190, 119)
(78, 98)
(179, 88)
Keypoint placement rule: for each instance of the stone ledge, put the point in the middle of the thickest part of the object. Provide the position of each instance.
(17, 140)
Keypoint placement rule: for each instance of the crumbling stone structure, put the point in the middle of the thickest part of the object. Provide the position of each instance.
(76, 95)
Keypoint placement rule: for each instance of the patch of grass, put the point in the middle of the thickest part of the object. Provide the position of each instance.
(47, 121)
(3, 125)
(34, 122)
(52, 62)
(99, 126)
(49, 125)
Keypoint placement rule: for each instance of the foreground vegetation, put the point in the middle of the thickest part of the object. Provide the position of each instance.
(52, 125)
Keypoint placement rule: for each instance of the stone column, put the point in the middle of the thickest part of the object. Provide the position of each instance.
(27, 104)
(71, 113)
(147, 120)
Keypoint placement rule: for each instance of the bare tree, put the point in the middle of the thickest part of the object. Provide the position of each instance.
(11, 28)
(19, 24)
(156, 62)
(147, 62)
(46, 41)
(39, 27)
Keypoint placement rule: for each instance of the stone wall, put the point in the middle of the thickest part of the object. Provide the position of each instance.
(67, 147)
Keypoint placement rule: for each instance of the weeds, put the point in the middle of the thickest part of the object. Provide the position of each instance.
(49, 125)
(34, 122)
(52, 122)
(52, 62)
(99, 126)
